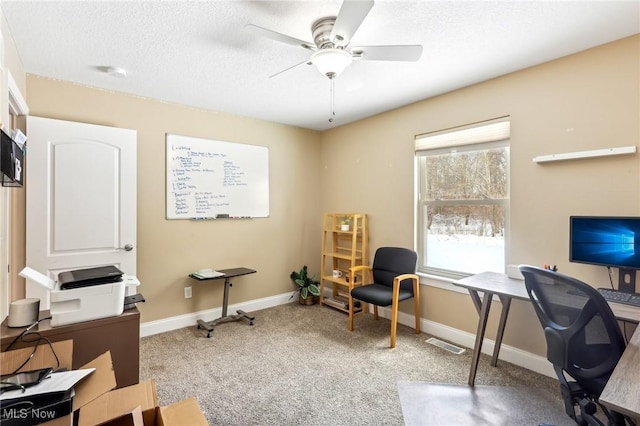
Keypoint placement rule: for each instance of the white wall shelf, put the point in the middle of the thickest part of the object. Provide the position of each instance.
(585, 154)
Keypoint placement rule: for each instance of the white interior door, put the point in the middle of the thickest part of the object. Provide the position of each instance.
(81, 198)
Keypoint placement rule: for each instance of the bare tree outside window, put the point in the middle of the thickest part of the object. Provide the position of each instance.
(462, 209)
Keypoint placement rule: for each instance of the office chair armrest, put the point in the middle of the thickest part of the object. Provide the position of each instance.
(358, 268)
(396, 284)
(403, 277)
(399, 278)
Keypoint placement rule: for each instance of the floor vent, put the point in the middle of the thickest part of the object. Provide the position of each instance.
(446, 346)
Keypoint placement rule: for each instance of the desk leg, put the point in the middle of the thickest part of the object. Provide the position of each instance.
(225, 298)
(506, 304)
(246, 315)
(240, 314)
(206, 326)
(482, 325)
(475, 298)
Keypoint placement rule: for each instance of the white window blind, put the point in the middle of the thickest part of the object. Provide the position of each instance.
(494, 130)
(462, 196)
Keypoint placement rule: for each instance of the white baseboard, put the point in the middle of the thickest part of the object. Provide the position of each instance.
(181, 321)
(508, 353)
(462, 338)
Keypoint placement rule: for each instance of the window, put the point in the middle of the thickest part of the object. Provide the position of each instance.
(463, 199)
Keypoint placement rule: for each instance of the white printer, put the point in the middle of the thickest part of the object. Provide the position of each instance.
(81, 298)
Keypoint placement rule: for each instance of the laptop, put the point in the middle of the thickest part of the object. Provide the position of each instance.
(89, 276)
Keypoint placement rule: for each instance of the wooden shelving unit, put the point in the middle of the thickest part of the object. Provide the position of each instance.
(343, 249)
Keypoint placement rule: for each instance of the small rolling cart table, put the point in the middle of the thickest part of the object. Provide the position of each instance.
(240, 314)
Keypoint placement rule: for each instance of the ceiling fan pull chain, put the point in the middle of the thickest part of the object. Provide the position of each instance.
(332, 98)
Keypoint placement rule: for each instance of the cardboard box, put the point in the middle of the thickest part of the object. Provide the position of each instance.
(81, 304)
(96, 401)
(131, 419)
(138, 405)
(59, 355)
(43, 357)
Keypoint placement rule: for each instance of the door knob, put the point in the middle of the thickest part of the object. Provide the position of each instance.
(127, 247)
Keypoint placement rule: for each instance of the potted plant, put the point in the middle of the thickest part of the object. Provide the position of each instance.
(308, 287)
(346, 222)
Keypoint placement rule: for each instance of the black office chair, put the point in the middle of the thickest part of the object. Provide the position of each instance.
(392, 279)
(583, 338)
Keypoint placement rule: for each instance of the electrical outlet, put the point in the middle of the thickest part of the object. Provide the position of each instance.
(187, 292)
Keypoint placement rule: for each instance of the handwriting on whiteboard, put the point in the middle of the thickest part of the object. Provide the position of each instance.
(207, 178)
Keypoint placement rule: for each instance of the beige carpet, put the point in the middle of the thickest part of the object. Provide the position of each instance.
(299, 365)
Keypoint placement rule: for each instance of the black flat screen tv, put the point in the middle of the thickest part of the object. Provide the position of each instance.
(606, 240)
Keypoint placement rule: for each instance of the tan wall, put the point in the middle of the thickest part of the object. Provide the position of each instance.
(169, 249)
(589, 100)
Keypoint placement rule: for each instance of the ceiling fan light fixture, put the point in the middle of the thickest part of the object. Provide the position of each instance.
(331, 62)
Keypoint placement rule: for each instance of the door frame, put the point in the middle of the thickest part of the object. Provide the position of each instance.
(9, 268)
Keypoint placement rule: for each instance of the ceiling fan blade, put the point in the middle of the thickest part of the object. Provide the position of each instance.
(351, 15)
(408, 53)
(282, 38)
(287, 69)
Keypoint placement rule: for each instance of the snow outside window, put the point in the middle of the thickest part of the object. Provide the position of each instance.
(463, 199)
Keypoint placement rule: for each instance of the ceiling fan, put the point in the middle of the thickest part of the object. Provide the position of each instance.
(332, 53)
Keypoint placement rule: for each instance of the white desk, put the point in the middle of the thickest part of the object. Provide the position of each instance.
(493, 283)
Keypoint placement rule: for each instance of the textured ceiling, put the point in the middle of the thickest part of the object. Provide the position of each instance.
(199, 54)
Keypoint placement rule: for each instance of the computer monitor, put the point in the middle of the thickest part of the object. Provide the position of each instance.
(608, 241)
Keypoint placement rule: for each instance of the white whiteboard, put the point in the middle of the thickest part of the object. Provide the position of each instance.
(208, 179)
